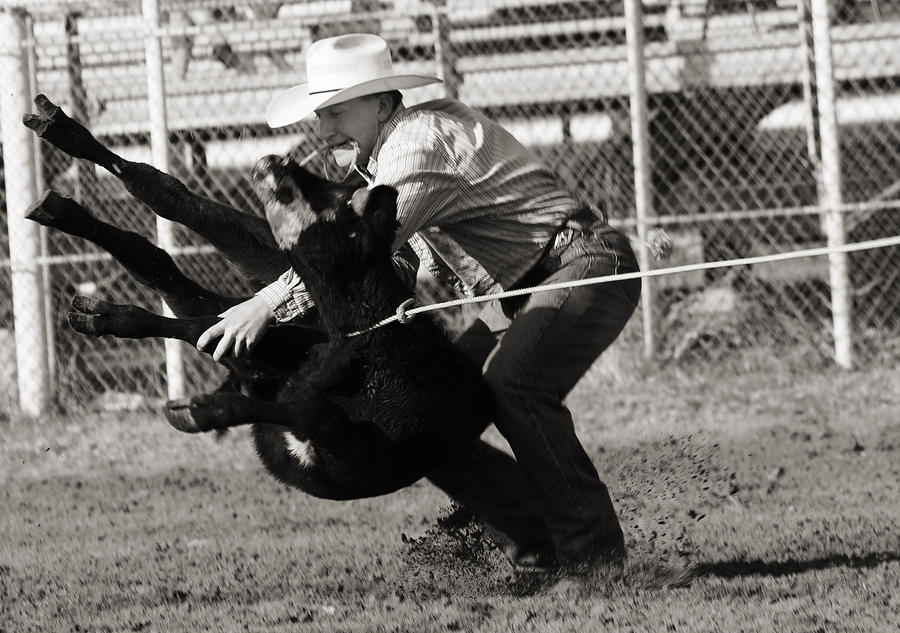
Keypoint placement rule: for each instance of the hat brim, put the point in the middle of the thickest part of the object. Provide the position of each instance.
(296, 104)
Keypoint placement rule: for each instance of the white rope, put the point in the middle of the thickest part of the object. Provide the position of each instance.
(403, 315)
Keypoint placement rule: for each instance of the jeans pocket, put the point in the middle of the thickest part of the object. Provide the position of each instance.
(611, 254)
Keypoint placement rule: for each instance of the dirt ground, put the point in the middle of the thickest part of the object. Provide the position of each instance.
(779, 491)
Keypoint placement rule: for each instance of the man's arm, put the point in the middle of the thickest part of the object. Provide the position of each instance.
(287, 296)
(242, 326)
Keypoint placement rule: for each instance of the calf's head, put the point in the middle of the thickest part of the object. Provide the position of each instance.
(325, 227)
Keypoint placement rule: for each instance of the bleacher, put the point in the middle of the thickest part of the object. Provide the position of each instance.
(507, 53)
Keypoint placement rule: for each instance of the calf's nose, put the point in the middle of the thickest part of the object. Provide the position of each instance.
(359, 200)
(264, 167)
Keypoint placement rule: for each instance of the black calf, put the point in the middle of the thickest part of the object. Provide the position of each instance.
(339, 417)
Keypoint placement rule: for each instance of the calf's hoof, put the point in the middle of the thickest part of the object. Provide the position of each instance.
(88, 315)
(96, 317)
(186, 416)
(57, 128)
(47, 111)
(59, 212)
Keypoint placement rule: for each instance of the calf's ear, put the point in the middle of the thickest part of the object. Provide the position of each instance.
(378, 208)
(315, 190)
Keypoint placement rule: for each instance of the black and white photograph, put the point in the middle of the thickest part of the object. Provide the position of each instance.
(415, 316)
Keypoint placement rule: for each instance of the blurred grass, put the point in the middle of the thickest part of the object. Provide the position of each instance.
(781, 486)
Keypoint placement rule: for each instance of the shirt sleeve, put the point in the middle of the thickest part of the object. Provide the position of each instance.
(287, 296)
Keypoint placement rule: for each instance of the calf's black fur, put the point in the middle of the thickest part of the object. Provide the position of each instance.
(336, 416)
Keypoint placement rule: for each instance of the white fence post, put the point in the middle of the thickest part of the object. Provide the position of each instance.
(159, 147)
(49, 325)
(830, 187)
(24, 235)
(634, 35)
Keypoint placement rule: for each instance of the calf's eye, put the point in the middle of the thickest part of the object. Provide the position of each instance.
(284, 193)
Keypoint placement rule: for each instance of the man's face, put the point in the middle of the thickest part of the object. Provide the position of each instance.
(355, 120)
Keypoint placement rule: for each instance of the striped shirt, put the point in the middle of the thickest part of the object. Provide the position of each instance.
(471, 200)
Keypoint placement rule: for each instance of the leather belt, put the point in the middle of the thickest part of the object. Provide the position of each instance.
(564, 238)
(548, 264)
(585, 221)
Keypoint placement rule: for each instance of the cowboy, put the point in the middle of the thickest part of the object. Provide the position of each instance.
(481, 209)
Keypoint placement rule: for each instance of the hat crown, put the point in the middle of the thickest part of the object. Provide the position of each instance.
(336, 63)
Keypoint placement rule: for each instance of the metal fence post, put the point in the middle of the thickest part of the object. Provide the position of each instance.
(444, 55)
(85, 176)
(813, 142)
(830, 186)
(637, 89)
(24, 235)
(159, 147)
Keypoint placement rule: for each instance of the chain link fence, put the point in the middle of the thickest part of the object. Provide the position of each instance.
(735, 155)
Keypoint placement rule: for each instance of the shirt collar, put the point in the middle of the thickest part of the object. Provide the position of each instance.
(387, 128)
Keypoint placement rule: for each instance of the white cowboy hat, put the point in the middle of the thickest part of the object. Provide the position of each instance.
(339, 69)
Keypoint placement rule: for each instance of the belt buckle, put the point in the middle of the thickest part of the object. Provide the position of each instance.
(565, 237)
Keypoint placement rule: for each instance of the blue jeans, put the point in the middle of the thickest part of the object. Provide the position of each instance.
(549, 499)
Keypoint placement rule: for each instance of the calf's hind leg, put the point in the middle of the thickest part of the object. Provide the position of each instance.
(147, 263)
(244, 239)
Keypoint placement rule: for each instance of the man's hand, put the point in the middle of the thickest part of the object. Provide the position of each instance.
(241, 328)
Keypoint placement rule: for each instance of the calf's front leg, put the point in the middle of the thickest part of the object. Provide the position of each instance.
(281, 351)
(96, 317)
(309, 416)
(218, 411)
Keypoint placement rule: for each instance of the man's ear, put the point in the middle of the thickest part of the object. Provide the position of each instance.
(378, 208)
(385, 107)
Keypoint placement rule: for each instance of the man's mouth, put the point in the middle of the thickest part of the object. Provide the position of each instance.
(345, 154)
(345, 144)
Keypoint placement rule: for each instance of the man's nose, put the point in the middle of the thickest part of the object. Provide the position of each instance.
(326, 128)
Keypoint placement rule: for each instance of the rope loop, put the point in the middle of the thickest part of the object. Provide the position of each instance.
(402, 317)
